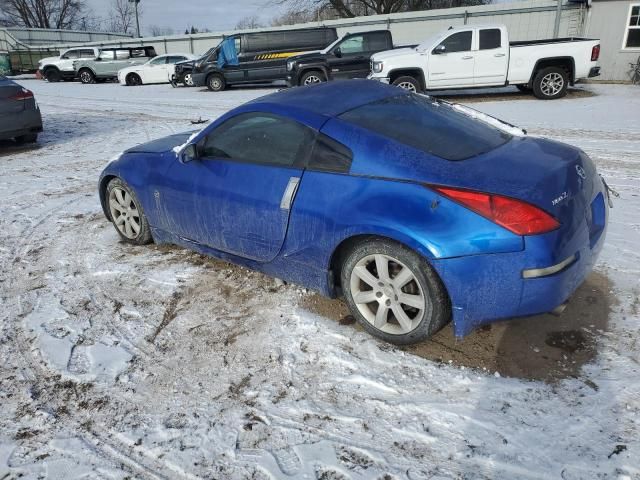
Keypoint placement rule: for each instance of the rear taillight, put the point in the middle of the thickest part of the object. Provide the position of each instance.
(516, 216)
(595, 53)
(23, 94)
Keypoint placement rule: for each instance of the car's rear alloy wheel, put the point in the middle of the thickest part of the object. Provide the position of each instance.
(551, 83)
(133, 80)
(393, 292)
(313, 77)
(126, 213)
(407, 83)
(87, 76)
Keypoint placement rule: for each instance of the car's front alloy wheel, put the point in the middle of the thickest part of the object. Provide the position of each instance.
(188, 80)
(393, 292)
(126, 213)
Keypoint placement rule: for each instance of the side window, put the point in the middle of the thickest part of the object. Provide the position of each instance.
(490, 38)
(122, 54)
(237, 44)
(260, 138)
(352, 45)
(376, 42)
(330, 156)
(175, 59)
(88, 53)
(158, 61)
(458, 42)
(107, 55)
(71, 54)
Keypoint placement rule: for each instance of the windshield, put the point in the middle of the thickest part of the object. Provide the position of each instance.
(331, 45)
(428, 43)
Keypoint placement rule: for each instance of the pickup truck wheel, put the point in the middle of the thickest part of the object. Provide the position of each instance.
(314, 76)
(133, 79)
(550, 83)
(216, 82)
(393, 292)
(407, 83)
(52, 75)
(87, 76)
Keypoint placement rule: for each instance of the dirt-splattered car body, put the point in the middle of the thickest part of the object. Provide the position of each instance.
(511, 224)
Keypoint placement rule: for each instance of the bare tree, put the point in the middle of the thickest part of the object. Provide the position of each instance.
(159, 31)
(248, 23)
(295, 15)
(353, 8)
(122, 16)
(62, 14)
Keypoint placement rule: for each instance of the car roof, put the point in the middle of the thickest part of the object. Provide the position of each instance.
(330, 99)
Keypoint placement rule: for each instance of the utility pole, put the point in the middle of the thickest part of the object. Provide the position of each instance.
(136, 2)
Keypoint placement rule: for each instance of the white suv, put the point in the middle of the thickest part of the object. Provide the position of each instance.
(59, 68)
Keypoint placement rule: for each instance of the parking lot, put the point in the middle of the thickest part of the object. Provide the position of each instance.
(156, 362)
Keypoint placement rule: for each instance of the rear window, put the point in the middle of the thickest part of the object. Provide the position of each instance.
(428, 125)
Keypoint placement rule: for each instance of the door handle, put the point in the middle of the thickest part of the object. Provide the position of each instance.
(289, 193)
(499, 55)
(467, 58)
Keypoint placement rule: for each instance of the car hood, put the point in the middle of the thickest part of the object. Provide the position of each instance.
(44, 61)
(398, 52)
(162, 145)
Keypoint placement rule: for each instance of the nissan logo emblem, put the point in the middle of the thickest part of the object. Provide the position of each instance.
(580, 171)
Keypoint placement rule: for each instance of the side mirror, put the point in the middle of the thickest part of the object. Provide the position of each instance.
(337, 52)
(439, 50)
(188, 153)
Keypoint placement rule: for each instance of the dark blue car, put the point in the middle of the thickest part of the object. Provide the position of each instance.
(414, 211)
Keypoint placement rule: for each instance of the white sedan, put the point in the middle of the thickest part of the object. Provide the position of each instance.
(159, 69)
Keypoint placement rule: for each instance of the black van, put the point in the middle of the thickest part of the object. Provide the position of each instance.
(261, 56)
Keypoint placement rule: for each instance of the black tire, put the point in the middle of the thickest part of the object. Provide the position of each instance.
(143, 236)
(436, 312)
(408, 83)
(27, 138)
(216, 82)
(524, 88)
(52, 75)
(133, 80)
(550, 83)
(86, 76)
(312, 77)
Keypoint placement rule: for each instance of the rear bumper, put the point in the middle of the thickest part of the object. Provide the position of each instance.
(487, 288)
(22, 123)
(594, 72)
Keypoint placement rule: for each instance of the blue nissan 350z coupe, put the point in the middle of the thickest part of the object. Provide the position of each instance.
(415, 211)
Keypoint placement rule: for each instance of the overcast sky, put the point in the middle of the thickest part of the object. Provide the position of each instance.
(180, 14)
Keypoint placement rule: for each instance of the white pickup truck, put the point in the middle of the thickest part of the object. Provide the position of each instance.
(481, 56)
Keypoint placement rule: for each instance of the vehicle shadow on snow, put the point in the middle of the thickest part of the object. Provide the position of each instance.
(9, 147)
(542, 347)
(501, 94)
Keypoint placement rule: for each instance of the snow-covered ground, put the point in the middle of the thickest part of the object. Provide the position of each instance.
(154, 362)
